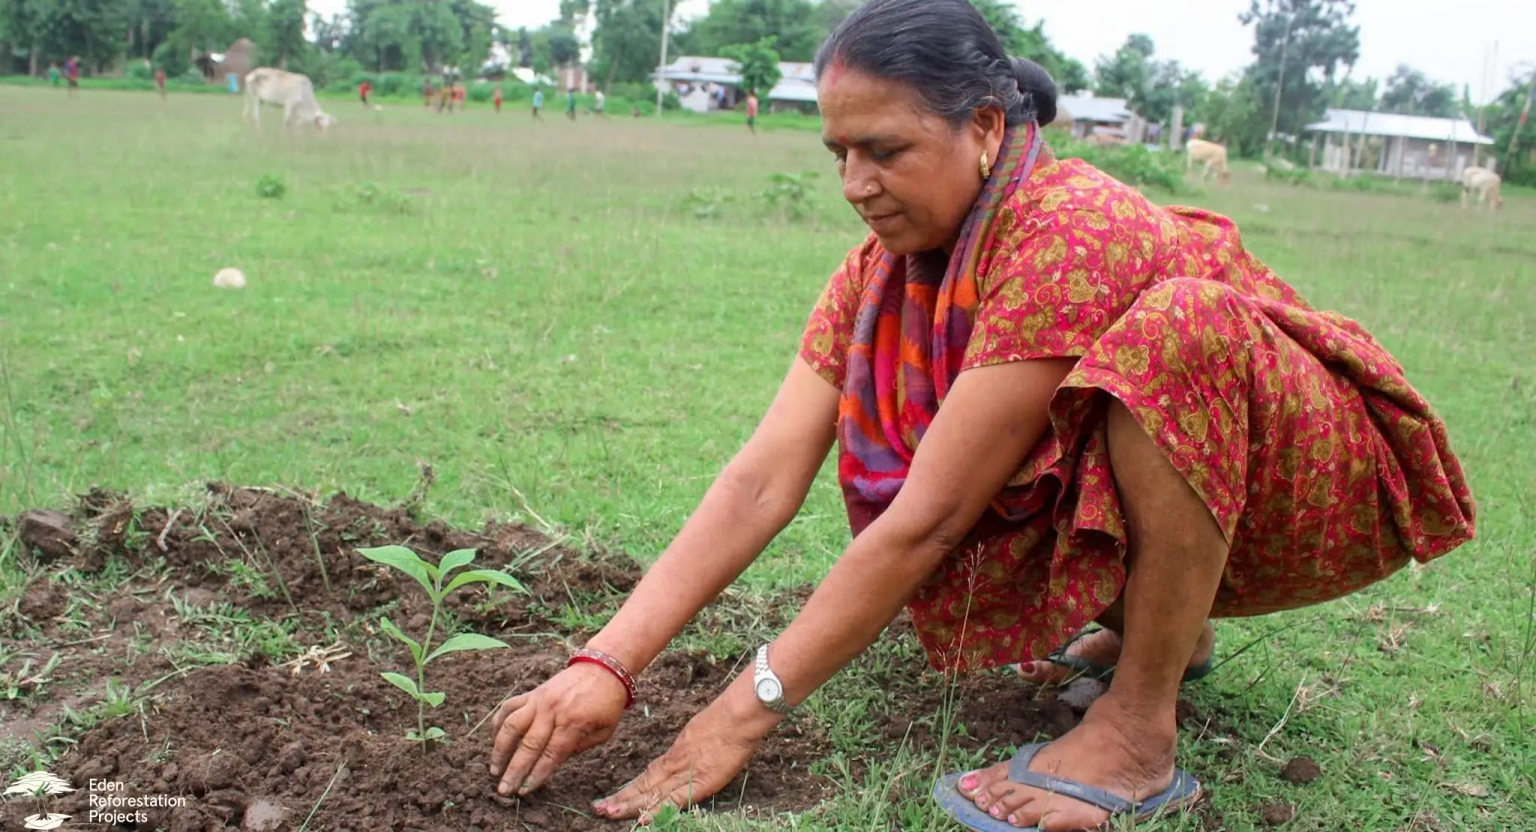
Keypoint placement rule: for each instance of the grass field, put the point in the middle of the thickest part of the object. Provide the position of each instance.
(579, 323)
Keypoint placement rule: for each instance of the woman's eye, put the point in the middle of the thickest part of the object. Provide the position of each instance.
(883, 155)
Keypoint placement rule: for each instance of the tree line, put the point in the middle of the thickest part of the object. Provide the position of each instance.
(1303, 52)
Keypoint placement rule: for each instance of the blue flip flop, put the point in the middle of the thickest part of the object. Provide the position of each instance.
(1106, 673)
(1182, 792)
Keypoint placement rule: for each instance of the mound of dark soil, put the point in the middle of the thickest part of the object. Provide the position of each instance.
(164, 603)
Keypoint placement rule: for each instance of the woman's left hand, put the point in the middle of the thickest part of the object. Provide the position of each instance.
(709, 752)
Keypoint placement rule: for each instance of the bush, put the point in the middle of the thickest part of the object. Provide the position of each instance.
(270, 186)
(139, 71)
(1133, 164)
(482, 92)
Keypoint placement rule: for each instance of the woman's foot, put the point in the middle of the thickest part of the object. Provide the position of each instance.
(1103, 649)
(1114, 748)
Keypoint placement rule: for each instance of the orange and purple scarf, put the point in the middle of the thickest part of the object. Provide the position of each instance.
(909, 341)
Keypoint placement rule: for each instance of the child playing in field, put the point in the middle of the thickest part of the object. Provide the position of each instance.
(752, 111)
(160, 81)
(363, 89)
(496, 98)
(538, 104)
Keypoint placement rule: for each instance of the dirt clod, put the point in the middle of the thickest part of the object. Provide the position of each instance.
(1277, 814)
(48, 532)
(1301, 771)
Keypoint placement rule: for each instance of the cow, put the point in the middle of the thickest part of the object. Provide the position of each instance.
(289, 90)
(1482, 185)
(1210, 154)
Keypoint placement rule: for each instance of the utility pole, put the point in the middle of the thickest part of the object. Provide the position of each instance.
(1274, 122)
(661, 67)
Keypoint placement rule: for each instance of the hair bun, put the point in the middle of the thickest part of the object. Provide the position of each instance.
(1038, 84)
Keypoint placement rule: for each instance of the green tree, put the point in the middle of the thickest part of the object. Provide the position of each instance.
(1411, 92)
(1299, 46)
(1349, 94)
(285, 31)
(626, 41)
(1126, 73)
(733, 22)
(756, 63)
(1504, 124)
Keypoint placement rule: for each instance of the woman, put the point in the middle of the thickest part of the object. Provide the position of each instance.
(1055, 403)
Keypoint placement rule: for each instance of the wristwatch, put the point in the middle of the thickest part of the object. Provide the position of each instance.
(769, 690)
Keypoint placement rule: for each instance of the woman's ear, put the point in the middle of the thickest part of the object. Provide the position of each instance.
(988, 125)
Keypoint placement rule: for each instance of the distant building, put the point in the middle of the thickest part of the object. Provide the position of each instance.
(1088, 116)
(1415, 147)
(705, 84)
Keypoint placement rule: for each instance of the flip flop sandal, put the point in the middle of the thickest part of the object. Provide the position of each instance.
(1106, 673)
(1181, 793)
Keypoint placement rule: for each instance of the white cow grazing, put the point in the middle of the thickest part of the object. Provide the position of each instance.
(1210, 154)
(1482, 185)
(289, 90)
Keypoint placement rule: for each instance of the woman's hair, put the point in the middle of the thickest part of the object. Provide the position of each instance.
(946, 51)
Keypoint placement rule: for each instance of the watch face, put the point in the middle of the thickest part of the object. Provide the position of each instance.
(768, 690)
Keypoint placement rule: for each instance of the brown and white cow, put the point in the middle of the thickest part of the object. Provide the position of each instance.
(1210, 154)
(294, 92)
(1482, 185)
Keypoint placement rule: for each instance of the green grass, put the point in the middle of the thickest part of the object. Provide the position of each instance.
(539, 312)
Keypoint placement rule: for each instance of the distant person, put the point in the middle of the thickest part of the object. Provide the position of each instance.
(427, 93)
(752, 111)
(72, 73)
(1052, 402)
(538, 103)
(496, 98)
(363, 89)
(160, 81)
(598, 101)
(570, 104)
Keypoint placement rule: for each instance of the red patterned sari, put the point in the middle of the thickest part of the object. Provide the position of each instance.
(1325, 470)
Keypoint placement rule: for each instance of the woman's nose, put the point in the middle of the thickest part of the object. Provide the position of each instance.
(859, 183)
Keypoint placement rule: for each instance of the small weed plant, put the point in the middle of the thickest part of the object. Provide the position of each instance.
(791, 195)
(271, 186)
(432, 579)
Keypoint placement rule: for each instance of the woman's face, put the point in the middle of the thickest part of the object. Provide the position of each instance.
(910, 175)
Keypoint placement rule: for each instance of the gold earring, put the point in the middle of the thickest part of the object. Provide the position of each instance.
(986, 168)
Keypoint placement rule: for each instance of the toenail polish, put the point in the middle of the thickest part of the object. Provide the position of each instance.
(996, 812)
(968, 782)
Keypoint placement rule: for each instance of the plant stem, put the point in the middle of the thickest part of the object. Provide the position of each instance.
(421, 666)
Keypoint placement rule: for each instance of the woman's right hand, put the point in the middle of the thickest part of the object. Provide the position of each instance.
(577, 709)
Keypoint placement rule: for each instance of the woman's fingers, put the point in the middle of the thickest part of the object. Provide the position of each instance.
(511, 721)
(664, 782)
(531, 745)
(561, 745)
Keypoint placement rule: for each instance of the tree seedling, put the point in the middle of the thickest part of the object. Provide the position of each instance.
(432, 580)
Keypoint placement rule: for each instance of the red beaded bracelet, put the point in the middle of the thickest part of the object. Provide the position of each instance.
(613, 665)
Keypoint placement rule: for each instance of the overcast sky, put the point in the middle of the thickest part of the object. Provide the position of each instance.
(1450, 40)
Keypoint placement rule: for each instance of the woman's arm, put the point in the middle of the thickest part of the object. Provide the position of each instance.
(986, 428)
(751, 501)
(989, 422)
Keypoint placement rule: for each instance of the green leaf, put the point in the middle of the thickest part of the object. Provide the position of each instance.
(389, 627)
(434, 699)
(466, 641)
(435, 733)
(485, 576)
(402, 559)
(455, 559)
(404, 683)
